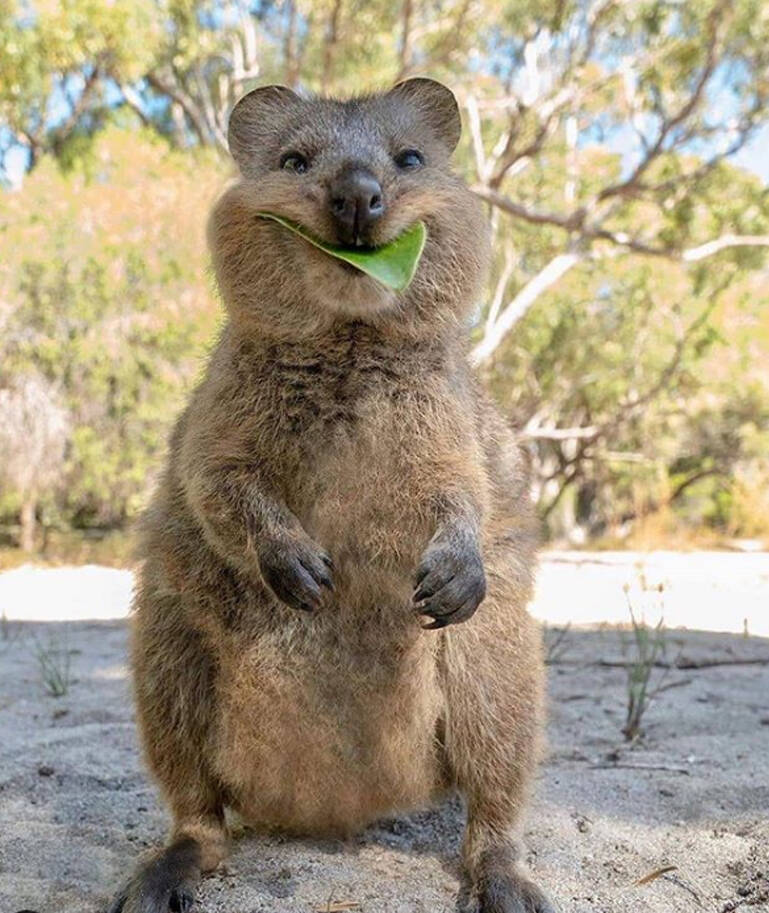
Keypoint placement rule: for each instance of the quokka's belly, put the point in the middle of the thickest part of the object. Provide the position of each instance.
(315, 740)
(362, 502)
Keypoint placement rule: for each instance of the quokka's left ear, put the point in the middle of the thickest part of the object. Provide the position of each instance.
(255, 118)
(436, 103)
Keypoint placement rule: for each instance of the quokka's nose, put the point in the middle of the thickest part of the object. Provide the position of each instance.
(355, 201)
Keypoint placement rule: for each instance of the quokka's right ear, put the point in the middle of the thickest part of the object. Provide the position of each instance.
(255, 118)
(436, 104)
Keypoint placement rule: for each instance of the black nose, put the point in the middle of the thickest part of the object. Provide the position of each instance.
(356, 203)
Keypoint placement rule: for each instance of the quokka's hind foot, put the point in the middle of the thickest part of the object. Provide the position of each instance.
(500, 887)
(497, 884)
(165, 882)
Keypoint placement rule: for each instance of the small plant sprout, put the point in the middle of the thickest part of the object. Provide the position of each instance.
(648, 645)
(53, 658)
(556, 643)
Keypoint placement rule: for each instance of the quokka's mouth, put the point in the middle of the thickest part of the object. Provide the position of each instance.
(393, 264)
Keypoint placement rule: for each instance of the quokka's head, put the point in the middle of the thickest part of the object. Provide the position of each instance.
(353, 173)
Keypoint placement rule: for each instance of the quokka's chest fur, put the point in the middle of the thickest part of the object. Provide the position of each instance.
(346, 429)
(321, 391)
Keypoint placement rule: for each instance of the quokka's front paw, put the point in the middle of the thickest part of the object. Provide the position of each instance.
(295, 568)
(450, 582)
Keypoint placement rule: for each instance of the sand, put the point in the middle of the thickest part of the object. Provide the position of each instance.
(76, 808)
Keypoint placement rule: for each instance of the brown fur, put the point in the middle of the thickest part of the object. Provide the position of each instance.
(338, 417)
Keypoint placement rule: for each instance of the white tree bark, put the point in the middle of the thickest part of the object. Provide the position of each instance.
(497, 330)
(513, 312)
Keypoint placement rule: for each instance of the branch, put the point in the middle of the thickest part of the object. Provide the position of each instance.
(615, 765)
(499, 292)
(244, 50)
(513, 312)
(562, 263)
(669, 124)
(330, 42)
(474, 126)
(134, 102)
(575, 222)
(725, 241)
(185, 102)
(213, 124)
(570, 222)
(547, 109)
(685, 255)
(540, 433)
(62, 132)
(404, 53)
(683, 663)
(290, 49)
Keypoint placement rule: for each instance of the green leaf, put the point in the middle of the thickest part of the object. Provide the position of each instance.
(393, 264)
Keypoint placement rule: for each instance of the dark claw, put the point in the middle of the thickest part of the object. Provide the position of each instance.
(424, 591)
(450, 583)
(163, 883)
(180, 901)
(119, 902)
(295, 568)
(434, 625)
(465, 611)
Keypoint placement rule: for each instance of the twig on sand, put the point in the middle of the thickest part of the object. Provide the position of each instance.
(683, 663)
(612, 765)
(675, 879)
(754, 900)
(337, 906)
(666, 873)
(677, 684)
(653, 876)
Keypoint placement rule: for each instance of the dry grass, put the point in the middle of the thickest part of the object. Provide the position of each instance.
(112, 549)
(556, 640)
(54, 664)
(666, 530)
(647, 645)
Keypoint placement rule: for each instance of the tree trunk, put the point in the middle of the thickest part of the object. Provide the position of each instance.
(28, 509)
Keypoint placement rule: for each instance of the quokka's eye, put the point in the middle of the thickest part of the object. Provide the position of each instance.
(294, 161)
(409, 159)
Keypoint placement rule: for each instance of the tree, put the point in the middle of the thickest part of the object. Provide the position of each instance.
(602, 135)
(34, 428)
(651, 77)
(105, 300)
(59, 61)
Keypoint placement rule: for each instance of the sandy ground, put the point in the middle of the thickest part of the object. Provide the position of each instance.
(76, 808)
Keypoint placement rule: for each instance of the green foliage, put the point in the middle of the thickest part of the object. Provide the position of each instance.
(658, 363)
(392, 264)
(46, 45)
(668, 366)
(108, 301)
